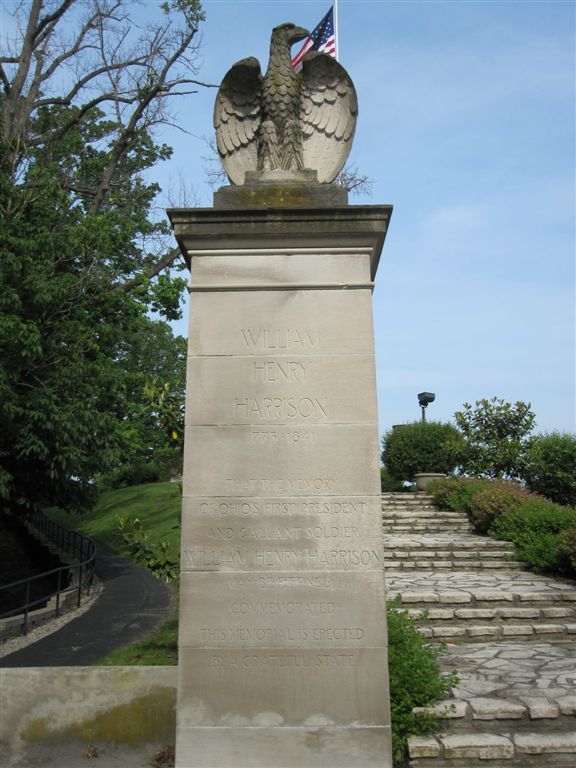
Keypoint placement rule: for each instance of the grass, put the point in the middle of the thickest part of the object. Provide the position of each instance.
(157, 506)
(157, 650)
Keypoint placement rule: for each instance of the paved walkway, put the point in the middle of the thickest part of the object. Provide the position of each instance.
(510, 634)
(132, 604)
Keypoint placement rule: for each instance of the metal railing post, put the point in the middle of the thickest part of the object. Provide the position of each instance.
(79, 585)
(27, 607)
(58, 594)
(81, 547)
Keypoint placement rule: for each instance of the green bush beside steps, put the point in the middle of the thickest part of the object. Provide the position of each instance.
(544, 533)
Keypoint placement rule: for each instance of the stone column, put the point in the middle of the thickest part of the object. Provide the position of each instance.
(283, 650)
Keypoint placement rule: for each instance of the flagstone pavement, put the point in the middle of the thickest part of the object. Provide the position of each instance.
(510, 634)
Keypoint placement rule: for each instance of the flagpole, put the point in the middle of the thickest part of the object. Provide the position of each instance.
(336, 30)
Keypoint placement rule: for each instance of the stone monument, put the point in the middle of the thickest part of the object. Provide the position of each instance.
(283, 651)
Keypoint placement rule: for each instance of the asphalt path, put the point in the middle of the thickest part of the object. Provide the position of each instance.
(132, 604)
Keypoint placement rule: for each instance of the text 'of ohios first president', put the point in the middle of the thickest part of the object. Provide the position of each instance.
(285, 121)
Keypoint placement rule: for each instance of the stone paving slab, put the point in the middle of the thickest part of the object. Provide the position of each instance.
(512, 586)
(511, 638)
(444, 541)
(484, 748)
(516, 672)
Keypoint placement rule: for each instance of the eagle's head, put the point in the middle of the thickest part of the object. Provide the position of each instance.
(288, 34)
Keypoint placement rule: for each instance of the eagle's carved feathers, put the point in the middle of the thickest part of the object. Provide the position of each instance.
(284, 120)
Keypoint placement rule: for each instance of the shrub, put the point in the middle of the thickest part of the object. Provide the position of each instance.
(495, 437)
(135, 473)
(567, 545)
(156, 556)
(420, 447)
(389, 484)
(542, 533)
(550, 467)
(456, 493)
(415, 680)
(493, 500)
(481, 499)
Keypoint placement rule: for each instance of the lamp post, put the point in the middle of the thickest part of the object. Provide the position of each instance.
(424, 399)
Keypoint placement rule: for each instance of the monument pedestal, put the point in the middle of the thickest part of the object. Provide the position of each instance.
(283, 652)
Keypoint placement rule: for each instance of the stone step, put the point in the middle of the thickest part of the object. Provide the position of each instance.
(504, 596)
(493, 632)
(407, 498)
(443, 541)
(472, 750)
(426, 528)
(500, 715)
(451, 564)
(495, 614)
(463, 557)
(430, 522)
(414, 511)
(411, 553)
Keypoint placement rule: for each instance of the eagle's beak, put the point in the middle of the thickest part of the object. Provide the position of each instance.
(297, 34)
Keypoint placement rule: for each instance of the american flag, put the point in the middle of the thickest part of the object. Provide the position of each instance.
(322, 39)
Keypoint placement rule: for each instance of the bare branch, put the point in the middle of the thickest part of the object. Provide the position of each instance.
(4, 79)
(123, 141)
(52, 18)
(166, 261)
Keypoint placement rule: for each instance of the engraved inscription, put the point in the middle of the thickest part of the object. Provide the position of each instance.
(276, 608)
(276, 533)
(284, 634)
(280, 484)
(287, 558)
(246, 581)
(273, 507)
(272, 371)
(280, 338)
(262, 436)
(280, 407)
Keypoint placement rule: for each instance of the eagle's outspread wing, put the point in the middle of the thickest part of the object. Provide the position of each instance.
(285, 121)
(328, 112)
(237, 118)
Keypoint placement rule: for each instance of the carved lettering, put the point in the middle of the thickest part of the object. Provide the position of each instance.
(280, 338)
(284, 558)
(283, 484)
(280, 408)
(296, 532)
(291, 582)
(273, 371)
(275, 608)
(282, 634)
(214, 558)
(225, 508)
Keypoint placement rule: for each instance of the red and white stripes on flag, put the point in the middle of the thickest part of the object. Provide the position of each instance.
(321, 39)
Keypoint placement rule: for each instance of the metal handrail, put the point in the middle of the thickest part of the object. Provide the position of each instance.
(79, 547)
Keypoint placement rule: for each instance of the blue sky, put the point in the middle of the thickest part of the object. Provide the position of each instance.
(466, 126)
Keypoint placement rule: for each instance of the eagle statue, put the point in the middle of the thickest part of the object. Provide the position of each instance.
(285, 121)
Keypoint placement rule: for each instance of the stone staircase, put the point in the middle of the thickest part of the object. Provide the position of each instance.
(509, 633)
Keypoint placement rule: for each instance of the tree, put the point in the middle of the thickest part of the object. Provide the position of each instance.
(495, 436)
(83, 260)
(151, 417)
(88, 74)
(420, 447)
(550, 467)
